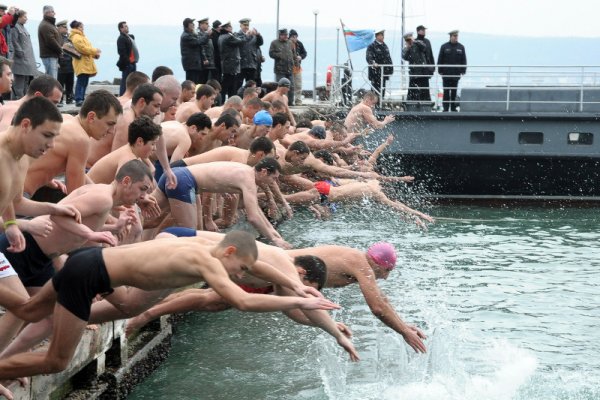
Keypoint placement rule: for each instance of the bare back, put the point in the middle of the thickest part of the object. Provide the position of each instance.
(161, 264)
(12, 175)
(177, 139)
(223, 153)
(94, 202)
(223, 177)
(9, 109)
(342, 262)
(185, 110)
(69, 156)
(359, 117)
(105, 169)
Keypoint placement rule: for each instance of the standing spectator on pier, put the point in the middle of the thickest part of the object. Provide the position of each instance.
(260, 59)
(191, 56)
(299, 55)
(85, 67)
(24, 67)
(128, 54)
(248, 52)
(207, 49)
(6, 20)
(451, 53)
(377, 54)
(425, 95)
(66, 75)
(283, 56)
(414, 52)
(217, 31)
(229, 46)
(50, 42)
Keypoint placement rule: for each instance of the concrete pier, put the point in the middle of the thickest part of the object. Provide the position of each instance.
(106, 365)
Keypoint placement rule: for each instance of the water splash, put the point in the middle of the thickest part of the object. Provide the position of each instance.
(512, 368)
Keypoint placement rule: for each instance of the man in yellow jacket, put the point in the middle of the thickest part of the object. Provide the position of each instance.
(84, 66)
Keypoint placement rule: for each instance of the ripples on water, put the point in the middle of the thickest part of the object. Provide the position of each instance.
(508, 297)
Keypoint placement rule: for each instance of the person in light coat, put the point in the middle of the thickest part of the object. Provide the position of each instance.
(24, 67)
(85, 67)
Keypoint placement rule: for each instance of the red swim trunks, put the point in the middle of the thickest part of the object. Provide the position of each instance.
(323, 187)
(262, 290)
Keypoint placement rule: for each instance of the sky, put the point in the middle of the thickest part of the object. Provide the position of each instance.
(576, 18)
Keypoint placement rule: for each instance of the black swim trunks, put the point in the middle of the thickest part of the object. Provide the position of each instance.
(32, 265)
(80, 280)
(178, 164)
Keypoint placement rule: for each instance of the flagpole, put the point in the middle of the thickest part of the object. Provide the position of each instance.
(347, 49)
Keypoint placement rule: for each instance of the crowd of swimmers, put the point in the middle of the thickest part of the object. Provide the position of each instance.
(140, 187)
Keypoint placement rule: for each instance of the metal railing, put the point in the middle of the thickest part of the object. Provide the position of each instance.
(503, 87)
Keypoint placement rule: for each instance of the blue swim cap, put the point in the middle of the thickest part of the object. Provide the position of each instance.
(263, 118)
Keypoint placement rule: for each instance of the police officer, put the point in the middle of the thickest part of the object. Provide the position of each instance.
(377, 54)
(451, 53)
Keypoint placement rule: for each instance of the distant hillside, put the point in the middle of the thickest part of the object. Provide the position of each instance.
(159, 45)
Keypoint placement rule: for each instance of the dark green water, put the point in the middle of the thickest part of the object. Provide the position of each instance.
(508, 296)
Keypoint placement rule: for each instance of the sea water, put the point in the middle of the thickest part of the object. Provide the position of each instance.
(508, 296)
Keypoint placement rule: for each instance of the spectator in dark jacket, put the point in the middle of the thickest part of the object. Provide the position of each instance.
(50, 42)
(217, 31)
(128, 54)
(418, 80)
(229, 46)
(207, 50)
(191, 58)
(451, 53)
(377, 54)
(66, 76)
(249, 52)
(299, 55)
(283, 56)
(24, 67)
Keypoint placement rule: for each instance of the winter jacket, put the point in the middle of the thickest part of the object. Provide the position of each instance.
(5, 21)
(49, 38)
(378, 53)
(230, 45)
(452, 54)
(207, 50)
(248, 51)
(86, 64)
(190, 46)
(416, 55)
(124, 48)
(281, 52)
(65, 62)
(24, 60)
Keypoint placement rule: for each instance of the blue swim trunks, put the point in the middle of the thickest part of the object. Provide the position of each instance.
(186, 186)
(180, 231)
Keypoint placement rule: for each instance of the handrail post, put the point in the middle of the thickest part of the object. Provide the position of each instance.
(581, 89)
(508, 76)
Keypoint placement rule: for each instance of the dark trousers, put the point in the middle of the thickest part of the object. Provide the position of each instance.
(450, 85)
(67, 79)
(247, 75)
(193, 75)
(376, 85)
(229, 86)
(124, 74)
(418, 89)
(207, 74)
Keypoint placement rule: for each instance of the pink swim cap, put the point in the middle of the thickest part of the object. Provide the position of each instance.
(384, 255)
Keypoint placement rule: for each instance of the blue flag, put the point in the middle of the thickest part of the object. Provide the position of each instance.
(360, 39)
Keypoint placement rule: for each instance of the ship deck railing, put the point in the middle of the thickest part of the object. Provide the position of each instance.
(495, 88)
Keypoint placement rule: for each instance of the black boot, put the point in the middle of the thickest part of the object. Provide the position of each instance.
(69, 99)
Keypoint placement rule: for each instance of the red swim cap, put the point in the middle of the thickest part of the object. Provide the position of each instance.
(384, 255)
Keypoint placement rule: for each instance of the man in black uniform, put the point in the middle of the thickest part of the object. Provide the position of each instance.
(377, 54)
(207, 50)
(451, 53)
(418, 81)
(424, 95)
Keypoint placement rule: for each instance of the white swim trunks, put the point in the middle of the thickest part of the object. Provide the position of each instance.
(6, 269)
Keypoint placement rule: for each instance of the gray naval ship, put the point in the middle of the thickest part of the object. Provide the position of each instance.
(520, 133)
